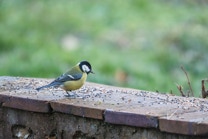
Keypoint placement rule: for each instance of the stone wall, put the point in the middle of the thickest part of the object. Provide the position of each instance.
(100, 112)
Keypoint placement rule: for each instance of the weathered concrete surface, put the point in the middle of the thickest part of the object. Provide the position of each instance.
(148, 113)
(186, 123)
(65, 126)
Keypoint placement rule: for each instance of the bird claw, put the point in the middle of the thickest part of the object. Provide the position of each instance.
(74, 95)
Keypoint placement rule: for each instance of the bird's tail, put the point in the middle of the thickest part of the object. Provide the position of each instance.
(52, 84)
(45, 86)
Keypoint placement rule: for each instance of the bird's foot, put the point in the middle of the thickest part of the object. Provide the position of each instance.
(72, 95)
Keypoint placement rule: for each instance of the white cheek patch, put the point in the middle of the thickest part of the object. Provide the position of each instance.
(85, 68)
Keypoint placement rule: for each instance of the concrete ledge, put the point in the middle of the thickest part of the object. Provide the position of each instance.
(112, 105)
(77, 108)
(27, 104)
(193, 123)
(132, 119)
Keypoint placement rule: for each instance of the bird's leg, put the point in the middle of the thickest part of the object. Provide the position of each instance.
(71, 95)
(68, 94)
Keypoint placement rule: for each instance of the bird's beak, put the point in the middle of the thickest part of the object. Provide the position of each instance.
(92, 72)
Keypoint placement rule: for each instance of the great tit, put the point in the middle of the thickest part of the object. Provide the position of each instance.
(72, 79)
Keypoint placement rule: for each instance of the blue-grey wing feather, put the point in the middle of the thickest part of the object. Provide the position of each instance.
(68, 77)
(61, 79)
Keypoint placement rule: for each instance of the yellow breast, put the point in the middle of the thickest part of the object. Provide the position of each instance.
(73, 85)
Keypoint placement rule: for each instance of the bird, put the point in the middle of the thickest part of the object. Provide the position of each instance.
(72, 79)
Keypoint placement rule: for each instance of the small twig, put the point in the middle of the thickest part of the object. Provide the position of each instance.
(180, 88)
(189, 83)
(171, 92)
(188, 93)
(204, 92)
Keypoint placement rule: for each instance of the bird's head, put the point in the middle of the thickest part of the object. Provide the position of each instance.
(85, 67)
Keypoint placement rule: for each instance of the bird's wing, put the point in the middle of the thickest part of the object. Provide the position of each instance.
(68, 77)
(61, 79)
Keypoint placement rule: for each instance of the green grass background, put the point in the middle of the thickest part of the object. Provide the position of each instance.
(146, 40)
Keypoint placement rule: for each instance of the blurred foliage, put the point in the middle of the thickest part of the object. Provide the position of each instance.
(137, 43)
